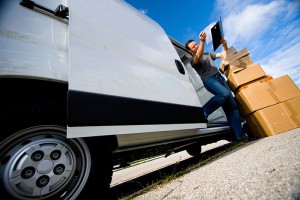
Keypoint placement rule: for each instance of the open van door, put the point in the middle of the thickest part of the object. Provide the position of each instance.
(124, 74)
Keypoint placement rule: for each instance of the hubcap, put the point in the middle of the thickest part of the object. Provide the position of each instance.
(43, 165)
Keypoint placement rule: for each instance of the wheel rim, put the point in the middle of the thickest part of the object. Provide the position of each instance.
(41, 163)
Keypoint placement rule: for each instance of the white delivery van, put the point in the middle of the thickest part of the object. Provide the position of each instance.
(87, 86)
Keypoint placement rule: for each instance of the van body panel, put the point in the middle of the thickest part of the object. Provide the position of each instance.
(118, 54)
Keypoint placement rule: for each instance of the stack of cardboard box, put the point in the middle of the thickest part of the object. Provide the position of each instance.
(269, 105)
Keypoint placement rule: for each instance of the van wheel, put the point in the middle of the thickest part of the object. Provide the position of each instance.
(194, 150)
(100, 177)
(41, 163)
(38, 161)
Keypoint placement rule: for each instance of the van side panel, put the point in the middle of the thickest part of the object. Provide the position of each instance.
(32, 45)
(123, 71)
(118, 51)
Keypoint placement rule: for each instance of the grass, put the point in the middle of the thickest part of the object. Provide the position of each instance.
(138, 162)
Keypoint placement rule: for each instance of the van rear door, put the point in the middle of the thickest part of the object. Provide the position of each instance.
(124, 74)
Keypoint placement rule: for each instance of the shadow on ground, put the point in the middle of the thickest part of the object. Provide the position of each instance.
(134, 187)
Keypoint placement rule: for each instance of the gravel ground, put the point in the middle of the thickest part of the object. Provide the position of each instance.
(268, 168)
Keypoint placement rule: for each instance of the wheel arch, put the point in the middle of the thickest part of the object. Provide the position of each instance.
(19, 90)
(30, 102)
(22, 98)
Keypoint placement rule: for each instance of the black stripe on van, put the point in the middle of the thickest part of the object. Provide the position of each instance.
(88, 109)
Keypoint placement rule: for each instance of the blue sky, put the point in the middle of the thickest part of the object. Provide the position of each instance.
(270, 30)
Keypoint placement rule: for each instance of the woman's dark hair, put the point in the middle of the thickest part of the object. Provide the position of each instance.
(187, 43)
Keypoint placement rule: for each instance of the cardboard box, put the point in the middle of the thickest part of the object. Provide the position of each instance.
(230, 56)
(229, 52)
(224, 63)
(292, 109)
(255, 98)
(269, 121)
(245, 75)
(237, 65)
(253, 83)
(261, 95)
(223, 66)
(244, 52)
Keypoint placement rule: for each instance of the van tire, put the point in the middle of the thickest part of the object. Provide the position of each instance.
(194, 150)
(34, 130)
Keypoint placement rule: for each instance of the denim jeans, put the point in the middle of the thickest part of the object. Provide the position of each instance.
(223, 97)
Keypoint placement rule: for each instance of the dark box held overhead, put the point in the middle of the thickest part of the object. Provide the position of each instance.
(217, 34)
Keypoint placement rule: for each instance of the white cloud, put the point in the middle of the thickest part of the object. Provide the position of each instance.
(225, 7)
(251, 22)
(270, 30)
(285, 60)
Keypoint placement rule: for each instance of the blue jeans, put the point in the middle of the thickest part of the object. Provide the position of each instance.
(223, 97)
